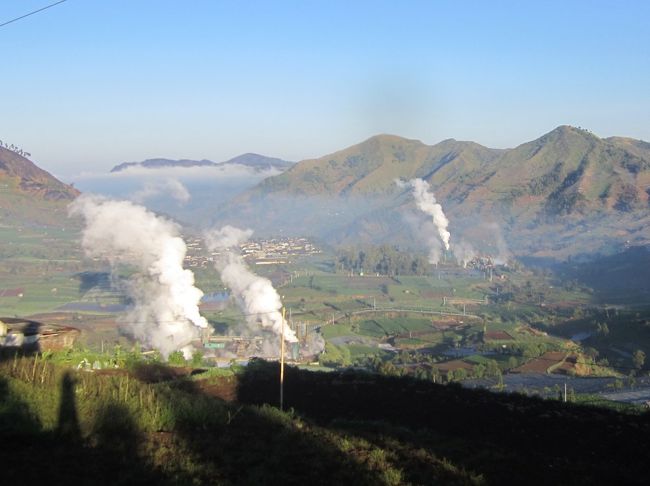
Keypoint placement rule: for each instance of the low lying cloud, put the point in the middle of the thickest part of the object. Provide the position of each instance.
(176, 191)
(171, 187)
(185, 174)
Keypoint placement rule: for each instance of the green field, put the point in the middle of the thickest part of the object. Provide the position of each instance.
(361, 314)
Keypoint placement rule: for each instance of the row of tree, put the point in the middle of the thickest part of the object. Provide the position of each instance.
(382, 260)
(14, 149)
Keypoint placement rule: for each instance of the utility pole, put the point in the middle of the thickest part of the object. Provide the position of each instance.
(565, 392)
(282, 363)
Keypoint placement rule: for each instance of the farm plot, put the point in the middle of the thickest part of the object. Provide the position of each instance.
(543, 364)
(497, 335)
(453, 365)
(390, 326)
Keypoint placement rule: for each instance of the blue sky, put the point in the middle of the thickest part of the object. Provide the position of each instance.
(88, 84)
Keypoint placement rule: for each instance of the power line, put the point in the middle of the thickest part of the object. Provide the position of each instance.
(32, 13)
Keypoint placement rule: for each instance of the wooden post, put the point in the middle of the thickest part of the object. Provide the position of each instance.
(282, 363)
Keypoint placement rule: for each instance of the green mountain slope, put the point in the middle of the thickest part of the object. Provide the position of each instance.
(567, 192)
(371, 167)
(29, 195)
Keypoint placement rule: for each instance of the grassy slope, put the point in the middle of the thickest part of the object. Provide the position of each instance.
(371, 167)
(121, 429)
(29, 195)
(344, 428)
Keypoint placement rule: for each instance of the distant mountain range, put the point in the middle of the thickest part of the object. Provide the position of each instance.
(254, 161)
(567, 192)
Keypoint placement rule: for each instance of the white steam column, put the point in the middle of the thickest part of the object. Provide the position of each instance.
(256, 297)
(165, 312)
(426, 202)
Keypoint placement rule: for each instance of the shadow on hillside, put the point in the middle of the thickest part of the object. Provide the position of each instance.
(209, 442)
(250, 445)
(68, 422)
(61, 456)
(90, 279)
(509, 438)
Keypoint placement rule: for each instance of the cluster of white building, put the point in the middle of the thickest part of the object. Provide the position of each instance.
(256, 252)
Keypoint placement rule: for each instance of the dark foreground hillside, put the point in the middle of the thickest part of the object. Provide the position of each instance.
(159, 425)
(508, 438)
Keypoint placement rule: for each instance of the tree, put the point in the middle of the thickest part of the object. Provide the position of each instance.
(434, 375)
(602, 330)
(500, 385)
(177, 358)
(387, 368)
(458, 374)
(421, 373)
(592, 353)
(638, 359)
(492, 368)
(197, 358)
(335, 356)
(479, 370)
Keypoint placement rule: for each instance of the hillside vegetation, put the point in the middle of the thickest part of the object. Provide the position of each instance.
(568, 192)
(159, 425)
(29, 195)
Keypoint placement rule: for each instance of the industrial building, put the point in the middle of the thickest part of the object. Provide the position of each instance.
(35, 336)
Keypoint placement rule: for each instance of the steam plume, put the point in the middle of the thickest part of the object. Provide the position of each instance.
(430, 234)
(256, 296)
(426, 202)
(165, 314)
(464, 252)
(503, 254)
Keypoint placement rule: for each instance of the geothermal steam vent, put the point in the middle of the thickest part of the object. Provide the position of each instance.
(165, 313)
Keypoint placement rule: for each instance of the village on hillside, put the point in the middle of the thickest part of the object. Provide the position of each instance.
(272, 251)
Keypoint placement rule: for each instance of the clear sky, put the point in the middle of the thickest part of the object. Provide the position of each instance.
(91, 83)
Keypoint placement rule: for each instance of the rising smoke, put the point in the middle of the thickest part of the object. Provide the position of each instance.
(165, 312)
(426, 202)
(503, 253)
(464, 252)
(428, 233)
(257, 298)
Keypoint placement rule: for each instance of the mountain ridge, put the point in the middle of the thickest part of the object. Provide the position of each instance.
(31, 195)
(558, 186)
(30, 178)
